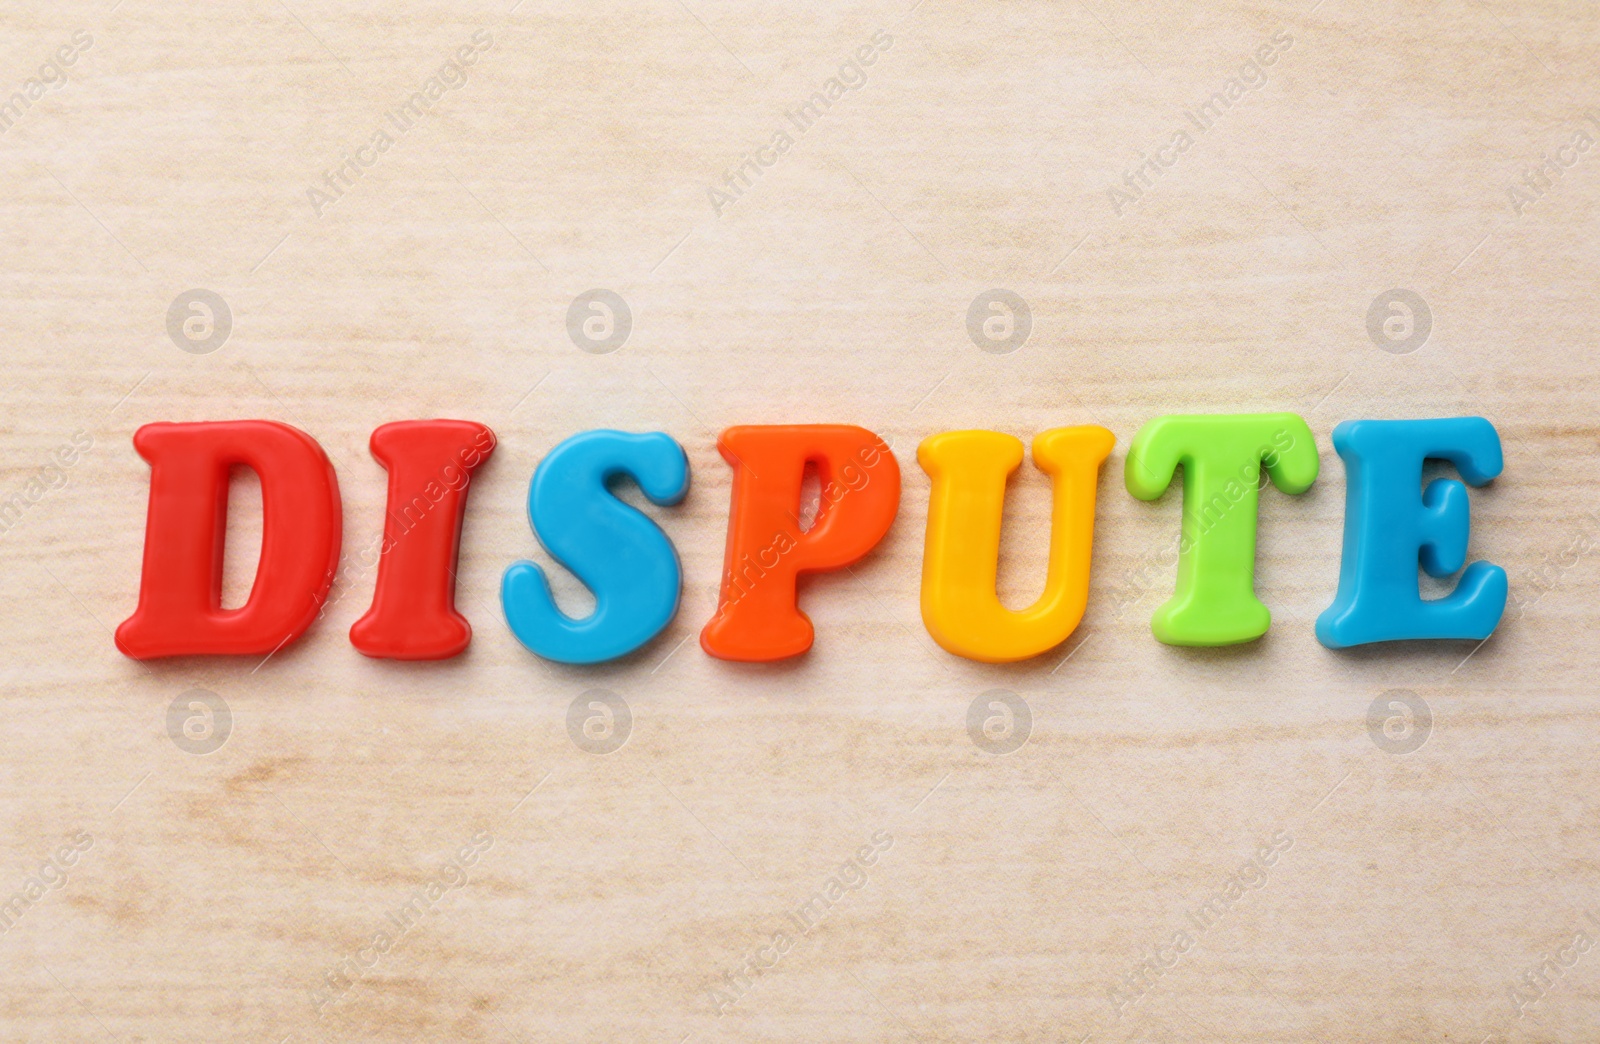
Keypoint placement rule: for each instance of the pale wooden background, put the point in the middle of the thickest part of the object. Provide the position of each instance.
(220, 889)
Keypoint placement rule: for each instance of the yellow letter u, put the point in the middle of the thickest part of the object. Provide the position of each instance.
(961, 557)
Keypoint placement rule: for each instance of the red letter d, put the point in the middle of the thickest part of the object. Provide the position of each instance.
(180, 596)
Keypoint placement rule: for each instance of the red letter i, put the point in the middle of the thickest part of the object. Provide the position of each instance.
(413, 614)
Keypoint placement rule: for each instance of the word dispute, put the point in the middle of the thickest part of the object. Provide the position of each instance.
(1393, 527)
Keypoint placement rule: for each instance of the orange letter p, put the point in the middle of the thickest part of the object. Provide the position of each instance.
(758, 617)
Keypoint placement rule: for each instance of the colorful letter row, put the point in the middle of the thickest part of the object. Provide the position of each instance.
(631, 566)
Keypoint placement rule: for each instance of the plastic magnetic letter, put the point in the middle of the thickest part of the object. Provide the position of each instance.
(620, 555)
(180, 596)
(961, 556)
(758, 617)
(1390, 528)
(1222, 457)
(413, 614)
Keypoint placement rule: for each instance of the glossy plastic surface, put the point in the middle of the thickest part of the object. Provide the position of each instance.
(1392, 526)
(413, 614)
(758, 616)
(1222, 457)
(620, 555)
(960, 558)
(180, 593)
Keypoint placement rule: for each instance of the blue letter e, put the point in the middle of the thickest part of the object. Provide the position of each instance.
(616, 551)
(1389, 529)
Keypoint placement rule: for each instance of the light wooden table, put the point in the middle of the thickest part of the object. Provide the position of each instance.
(1008, 895)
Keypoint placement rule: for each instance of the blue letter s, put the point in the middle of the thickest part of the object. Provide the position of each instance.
(618, 553)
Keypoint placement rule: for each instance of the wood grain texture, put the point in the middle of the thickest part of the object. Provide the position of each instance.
(1379, 150)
